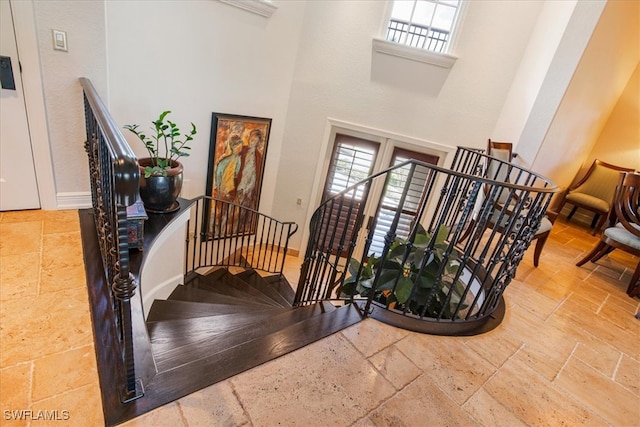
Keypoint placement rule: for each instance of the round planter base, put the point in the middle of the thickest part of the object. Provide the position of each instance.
(174, 207)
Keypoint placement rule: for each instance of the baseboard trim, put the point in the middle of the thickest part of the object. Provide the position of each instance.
(73, 200)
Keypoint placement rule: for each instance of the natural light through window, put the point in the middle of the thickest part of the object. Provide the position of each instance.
(424, 24)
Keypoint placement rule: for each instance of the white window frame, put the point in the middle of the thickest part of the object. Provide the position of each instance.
(444, 59)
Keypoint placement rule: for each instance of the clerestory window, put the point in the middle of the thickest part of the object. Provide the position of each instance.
(424, 24)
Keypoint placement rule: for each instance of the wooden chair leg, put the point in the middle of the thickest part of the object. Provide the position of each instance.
(539, 245)
(575, 208)
(603, 219)
(634, 285)
(601, 246)
(602, 253)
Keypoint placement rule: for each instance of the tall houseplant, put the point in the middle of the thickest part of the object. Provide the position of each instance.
(420, 277)
(161, 173)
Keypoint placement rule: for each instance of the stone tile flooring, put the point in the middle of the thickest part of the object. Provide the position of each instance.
(567, 352)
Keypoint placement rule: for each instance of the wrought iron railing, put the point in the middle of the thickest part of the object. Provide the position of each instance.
(445, 273)
(221, 233)
(417, 35)
(114, 174)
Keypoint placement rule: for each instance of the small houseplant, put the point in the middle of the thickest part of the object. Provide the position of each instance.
(410, 277)
(161, 172)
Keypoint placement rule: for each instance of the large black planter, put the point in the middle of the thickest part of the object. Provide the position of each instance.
(159, 193)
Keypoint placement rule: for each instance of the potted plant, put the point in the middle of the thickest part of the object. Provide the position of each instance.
(407, 279)
(161, 172)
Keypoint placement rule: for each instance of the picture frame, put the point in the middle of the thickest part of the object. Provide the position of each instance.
(237, 154)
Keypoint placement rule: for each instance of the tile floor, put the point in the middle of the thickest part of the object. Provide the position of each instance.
(567, 352)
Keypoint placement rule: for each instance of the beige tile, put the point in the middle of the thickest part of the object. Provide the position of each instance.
(38, 326)
(62, 263)
(19, 275)
(628, 374)
(20, 238)
(457, 369)
(489, 412)
(327, 382)
(495, 346)
(371, 336)
(66, 370)
(395, 367)
(530, 299)
(165, 416)
(15, 386)
(602, 395)
(599, 355)
(61, 221)
(418, 404)
(546, 348)
(534, 400)
(23, 216)
(213, 406)
(80, 407)
(621, 339)
(364, 422)
(620, 314)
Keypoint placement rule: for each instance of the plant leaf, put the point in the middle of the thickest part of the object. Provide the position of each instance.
(403, 289)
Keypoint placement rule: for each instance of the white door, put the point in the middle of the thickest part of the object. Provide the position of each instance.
(18, 185)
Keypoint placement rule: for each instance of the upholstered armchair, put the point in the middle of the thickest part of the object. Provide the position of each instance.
(624, 227)
(594, 192)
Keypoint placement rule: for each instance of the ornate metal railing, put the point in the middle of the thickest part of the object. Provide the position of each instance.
(221, 233)
(465, 232)
(114, 173)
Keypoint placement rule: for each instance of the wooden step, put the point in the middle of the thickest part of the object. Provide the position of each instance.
(190, 293)
(233, 286)
(176, 309)
(219, 283)
(168, 357)
(217, 367)
(175, 333)
(283, 287)
(264, 285)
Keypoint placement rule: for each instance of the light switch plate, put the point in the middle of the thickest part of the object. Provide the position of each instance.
(60, 40)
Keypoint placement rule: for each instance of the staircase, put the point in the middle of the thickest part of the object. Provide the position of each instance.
(223, 323)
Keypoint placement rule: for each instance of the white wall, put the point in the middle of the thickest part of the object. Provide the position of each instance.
(544, 41)
(333, 79)
(86, 57)
(200, 57)
(609, 59)
(619, 141)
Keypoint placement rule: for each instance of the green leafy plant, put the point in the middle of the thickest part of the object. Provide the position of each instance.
(403, 284)
(165, 143)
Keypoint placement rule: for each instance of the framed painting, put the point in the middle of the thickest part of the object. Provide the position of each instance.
(237, 155)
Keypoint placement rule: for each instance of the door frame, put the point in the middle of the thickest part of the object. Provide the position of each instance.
(28, 52)
(387, 140)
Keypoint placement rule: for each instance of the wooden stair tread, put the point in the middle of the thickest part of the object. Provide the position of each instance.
(169, 357)
(263, 285)
(176, 333)
(229, 284)
(219, 284)
(177, 309)
(190, 293)
(203, 372)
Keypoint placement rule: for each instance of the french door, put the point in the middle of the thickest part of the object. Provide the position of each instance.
(352, 160)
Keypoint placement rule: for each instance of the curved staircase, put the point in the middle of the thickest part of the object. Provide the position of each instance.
(228, 322)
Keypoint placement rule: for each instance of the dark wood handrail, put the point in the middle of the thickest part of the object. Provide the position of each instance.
(125, 164)
(114, 179)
